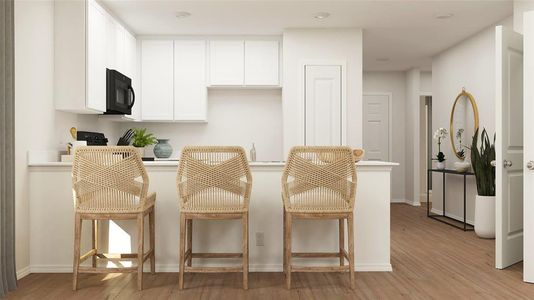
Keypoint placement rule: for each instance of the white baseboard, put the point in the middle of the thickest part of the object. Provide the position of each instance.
(413, 203)
(440, 212)
(373, 268)
(410, 202)
(174, 268)
(23, 272)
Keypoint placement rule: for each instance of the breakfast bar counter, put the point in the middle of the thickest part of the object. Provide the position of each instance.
(52, 221)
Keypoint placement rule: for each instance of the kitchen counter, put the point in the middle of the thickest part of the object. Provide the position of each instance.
(174, 163)
(52, 221)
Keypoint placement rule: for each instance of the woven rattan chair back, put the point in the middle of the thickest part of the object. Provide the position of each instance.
(213, 179)
(108, 180)
(319, 179)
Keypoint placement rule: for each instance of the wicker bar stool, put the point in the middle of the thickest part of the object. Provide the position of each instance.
(320, 183)
(214, 183)
(110, 183)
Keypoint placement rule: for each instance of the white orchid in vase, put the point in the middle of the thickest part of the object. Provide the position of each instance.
(439, 135)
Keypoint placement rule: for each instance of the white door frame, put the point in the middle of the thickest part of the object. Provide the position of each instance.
(528, 142)
(302, 96)
(390, 119)
(424, 196)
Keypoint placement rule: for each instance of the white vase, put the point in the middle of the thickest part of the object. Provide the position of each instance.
(462, 166)
(140, 151)
(440, 165)
(485, 216)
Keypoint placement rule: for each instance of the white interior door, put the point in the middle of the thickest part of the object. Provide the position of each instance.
(376, 127)
(528, 122)
(509, 148)
(323, 106)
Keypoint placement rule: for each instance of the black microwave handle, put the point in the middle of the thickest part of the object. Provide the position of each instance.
(133, 97)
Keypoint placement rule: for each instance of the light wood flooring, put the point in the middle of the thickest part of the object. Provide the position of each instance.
(430, 260)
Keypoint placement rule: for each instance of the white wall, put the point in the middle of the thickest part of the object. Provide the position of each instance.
(426, 83)
(470, 64)
(413, 93)
(235, 117)
(301, 45)
(520, 7)
(38, 125)
(394, 83)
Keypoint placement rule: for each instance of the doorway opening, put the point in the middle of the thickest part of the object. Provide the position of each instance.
(425, 133)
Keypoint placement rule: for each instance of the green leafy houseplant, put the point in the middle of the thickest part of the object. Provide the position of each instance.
(142, 139)
(481, 161)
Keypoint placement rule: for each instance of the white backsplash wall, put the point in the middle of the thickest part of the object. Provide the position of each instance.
(235, 117)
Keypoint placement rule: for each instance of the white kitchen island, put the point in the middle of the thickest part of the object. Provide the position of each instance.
(52, 221)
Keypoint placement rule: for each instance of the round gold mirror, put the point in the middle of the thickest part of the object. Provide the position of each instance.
(463, 124)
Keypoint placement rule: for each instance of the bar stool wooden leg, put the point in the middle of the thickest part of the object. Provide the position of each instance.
(190, 242)
(341, 241)
(182, 251)
(152, 225)
(288, 249)
(140, 250)
(284, 265)
(350, 225)
(244, 220)
(77, 236)
(94, 231)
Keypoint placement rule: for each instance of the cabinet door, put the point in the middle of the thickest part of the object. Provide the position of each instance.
(227, 60)
(157, 80)
(261, 63)
(121, 63)
(96, 58)
(323, 119)
(130, 59)
(190, 92)
(112, 37)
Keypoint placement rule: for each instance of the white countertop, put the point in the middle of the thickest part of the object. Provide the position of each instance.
(174, 163)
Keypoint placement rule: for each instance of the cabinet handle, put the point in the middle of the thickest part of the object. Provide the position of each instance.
(507, 163)
(530, 165)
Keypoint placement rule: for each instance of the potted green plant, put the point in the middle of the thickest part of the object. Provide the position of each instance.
(439, 135)
(481, 161)
(463, 165)
(141, 139)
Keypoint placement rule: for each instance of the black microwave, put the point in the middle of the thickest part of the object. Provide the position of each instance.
(120, 96)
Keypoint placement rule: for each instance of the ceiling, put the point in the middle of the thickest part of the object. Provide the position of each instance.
(398, 34)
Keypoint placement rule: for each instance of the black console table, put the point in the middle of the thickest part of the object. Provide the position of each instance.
(443, 218)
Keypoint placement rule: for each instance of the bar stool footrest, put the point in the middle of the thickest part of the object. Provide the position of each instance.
(107, 270)
(213, 269)
(308, 269)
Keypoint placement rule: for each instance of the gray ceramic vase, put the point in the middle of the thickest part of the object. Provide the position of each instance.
(163, 149)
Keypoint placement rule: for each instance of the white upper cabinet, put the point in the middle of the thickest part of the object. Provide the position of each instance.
(87, 41)
(227, 59)
(131, 70)
(190, 92)
(96, 58)
(157, 82)
(244, 63)
(261, 63)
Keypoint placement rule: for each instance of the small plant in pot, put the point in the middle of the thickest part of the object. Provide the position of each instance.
(141, 139)
(481, 161)
(439, 135)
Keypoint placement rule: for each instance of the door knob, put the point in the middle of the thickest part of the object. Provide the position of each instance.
(507, 163)
(530, 165)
